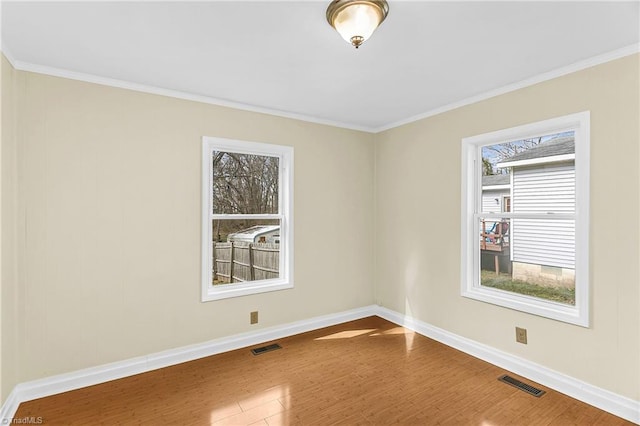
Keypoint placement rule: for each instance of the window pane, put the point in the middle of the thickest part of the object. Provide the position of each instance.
(244, 183)
(534, 175)
(506, 204)
(245, 250)
(534, 257)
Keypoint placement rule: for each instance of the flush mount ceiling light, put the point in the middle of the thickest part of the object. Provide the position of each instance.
(356, 20)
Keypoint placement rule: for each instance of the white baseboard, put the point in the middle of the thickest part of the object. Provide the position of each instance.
(9, 407)
(608, 401)
(103, 373)
(613, 403)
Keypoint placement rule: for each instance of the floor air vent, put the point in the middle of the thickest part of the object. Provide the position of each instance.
(522, 386)
(263, 349)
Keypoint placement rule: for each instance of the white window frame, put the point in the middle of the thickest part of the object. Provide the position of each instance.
(472, 211)
(285, 215)
(504, 203)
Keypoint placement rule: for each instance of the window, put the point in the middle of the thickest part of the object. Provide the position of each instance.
(506, 204)
(247, 223)
(525, 218)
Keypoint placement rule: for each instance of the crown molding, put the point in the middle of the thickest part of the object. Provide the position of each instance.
(7, 54)
(137, 87)
(550, 75)
(90, 78)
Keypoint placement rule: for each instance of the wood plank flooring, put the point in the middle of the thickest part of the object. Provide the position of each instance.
(362, 372)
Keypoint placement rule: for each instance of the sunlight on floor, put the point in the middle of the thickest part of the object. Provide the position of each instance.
(408, 335)
(395, 330)
(346, 334)
(408, 339)
(267, 407)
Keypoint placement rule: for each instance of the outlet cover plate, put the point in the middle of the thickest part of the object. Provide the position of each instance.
(521, 335)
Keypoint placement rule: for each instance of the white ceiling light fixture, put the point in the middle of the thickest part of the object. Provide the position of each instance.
(356, 20)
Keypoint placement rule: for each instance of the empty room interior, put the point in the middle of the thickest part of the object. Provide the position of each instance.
(320, 212)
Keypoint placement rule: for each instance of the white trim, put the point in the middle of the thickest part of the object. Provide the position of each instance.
(539, 160)
(471, 210)
(495, 187)
(530, 130)
(618, 405)
(509, 215)
(504, 203)
(7, 54)
(246, 216)
(90, 78)
(285, 215)
(103, 373)
(550, 75)
(613, 403)
(10, 406)
(154, 90)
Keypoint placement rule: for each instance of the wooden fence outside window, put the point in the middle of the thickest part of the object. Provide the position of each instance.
(239, 262)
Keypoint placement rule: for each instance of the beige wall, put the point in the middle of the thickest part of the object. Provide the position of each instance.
(107, 183)
(8, 258)
(2, 79)
(418, 225)
(110, 188)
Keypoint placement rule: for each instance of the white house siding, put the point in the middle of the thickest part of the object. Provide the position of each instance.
(542, 189)
(544, 242)
(489, 204)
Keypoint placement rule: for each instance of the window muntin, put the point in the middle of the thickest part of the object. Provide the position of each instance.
(506, 204)
(533, 248)
(248, 235)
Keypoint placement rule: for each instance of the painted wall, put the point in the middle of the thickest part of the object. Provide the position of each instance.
(2, 59)
(101, 197)
(8, 258)
(109, 226)
(419, 162)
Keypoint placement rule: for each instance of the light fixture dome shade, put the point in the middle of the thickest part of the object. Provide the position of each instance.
(356, 20)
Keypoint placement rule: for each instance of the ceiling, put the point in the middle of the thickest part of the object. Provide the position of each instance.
(283, 57)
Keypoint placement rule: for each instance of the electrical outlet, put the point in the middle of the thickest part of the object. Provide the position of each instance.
(521, 335)
(253, 317)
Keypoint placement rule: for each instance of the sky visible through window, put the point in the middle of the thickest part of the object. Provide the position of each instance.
(530, 256)
(496, 153)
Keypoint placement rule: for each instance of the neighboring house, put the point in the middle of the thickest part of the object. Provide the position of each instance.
(543, 181)
(257, 234)
(494, 238)
(496, 193)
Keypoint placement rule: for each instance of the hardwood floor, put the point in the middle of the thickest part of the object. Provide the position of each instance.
(364, 372)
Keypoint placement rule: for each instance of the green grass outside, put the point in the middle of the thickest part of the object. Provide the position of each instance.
(504, 282)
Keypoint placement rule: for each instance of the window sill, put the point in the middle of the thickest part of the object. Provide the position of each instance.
(528, 304)
(227, 291)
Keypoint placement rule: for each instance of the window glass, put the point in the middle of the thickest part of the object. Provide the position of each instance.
(533, 256)
(526, 218)
(244, 183)
(245, 250)
(247, 241)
